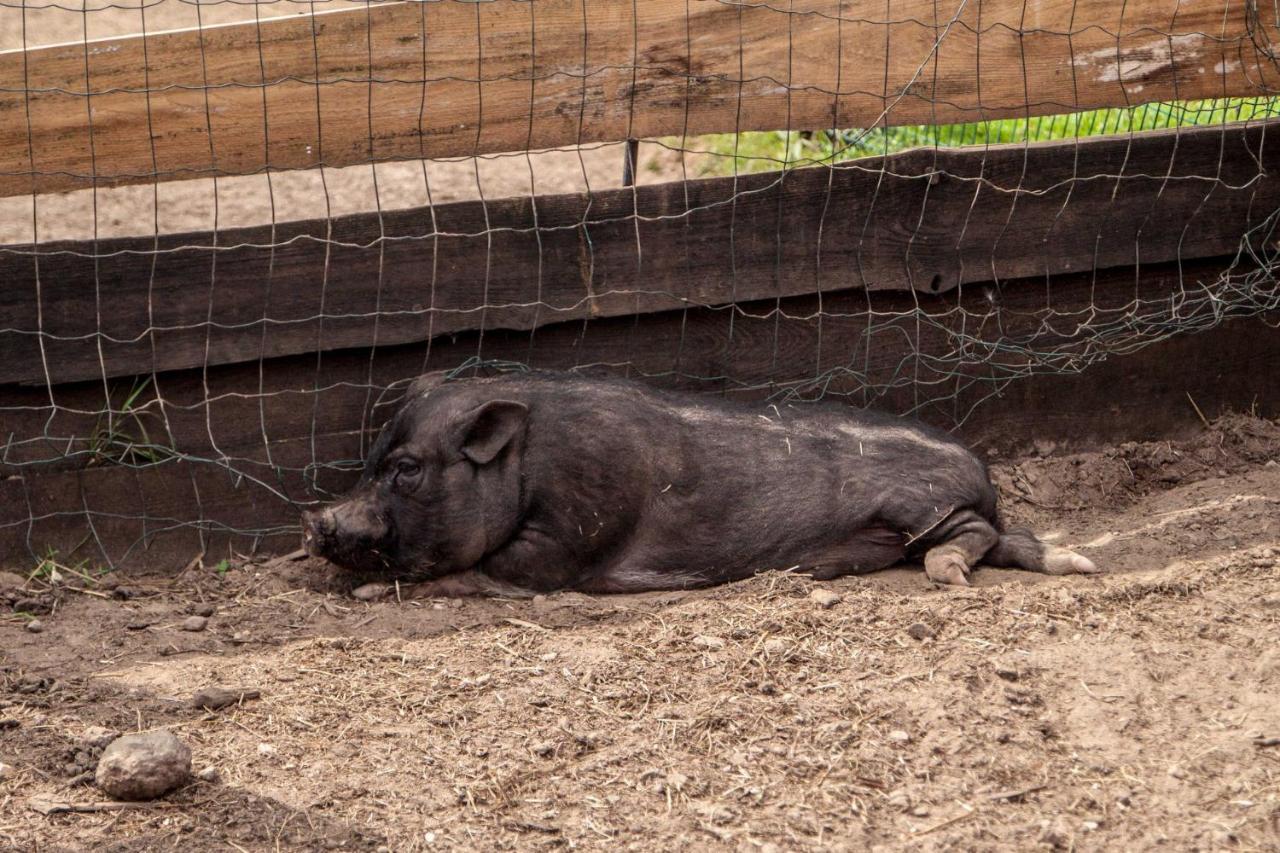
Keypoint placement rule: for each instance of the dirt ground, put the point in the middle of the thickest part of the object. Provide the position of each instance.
(1139, 710)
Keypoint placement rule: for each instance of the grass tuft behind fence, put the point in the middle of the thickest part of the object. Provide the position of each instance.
(743, 153)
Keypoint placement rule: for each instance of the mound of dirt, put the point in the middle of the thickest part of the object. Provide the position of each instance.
(1114, 478)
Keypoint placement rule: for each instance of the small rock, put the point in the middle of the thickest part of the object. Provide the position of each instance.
(776, 646)
(10, 580)
(241, 637)
(195, 623)
(1271, 463)
(209, 774)
(899, 800)
(920, 631)
(267, 750)
(899, 736)
(204, 609)
(138, 625)
(1008, 673)
(97, 737)
(675, 782)
(7, 772)
(35, 626)
(216, 698)
(1089, 825)
(920, 811)
(34, 606)
(370, 591)
(825, 598)
(544, 749)
(1177, 772)
(708, 643)
(143, 766)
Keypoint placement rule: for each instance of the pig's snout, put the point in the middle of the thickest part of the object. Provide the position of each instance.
(344, 532)
(317, 529)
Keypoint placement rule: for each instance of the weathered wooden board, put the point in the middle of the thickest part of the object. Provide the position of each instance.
(924, 220)
(898, 352)
(433, 79)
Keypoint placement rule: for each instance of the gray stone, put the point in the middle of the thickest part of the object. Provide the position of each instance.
(143, 766)
(195, 623)
(920, 631)
(35, 626)
(825, 598)
(97, 737)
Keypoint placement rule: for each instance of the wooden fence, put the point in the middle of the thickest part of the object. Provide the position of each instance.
(263, 350)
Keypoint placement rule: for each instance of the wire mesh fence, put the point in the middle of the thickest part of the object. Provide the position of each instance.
(230, 232)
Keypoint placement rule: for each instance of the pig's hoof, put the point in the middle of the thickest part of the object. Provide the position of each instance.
(1060, 561)
(947, 565)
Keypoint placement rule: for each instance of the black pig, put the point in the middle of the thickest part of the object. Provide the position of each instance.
(528, 483)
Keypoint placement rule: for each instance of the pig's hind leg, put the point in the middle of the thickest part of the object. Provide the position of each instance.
(1020, 549)
(956, 545)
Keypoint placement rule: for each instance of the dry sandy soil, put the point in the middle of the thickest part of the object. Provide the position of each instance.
(196, 205)
(1139, 710)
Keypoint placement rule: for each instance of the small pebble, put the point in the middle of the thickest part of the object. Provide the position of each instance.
(825, 598)
(544, 749)
(711, 644)
(206, 610)
(1177, 772)
(216, 698)
(370, 591)
(899, 736)
(35, 626)
(899, 800)
(209, 774)
(97, 737)
(6, 772)
(195, 623)
(776, 646)
(266, 749)
(143, 766)
(920, 631)
(920, 811)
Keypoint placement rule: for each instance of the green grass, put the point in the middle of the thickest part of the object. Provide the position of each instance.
(52, 566)
(727, 153)
(122, 438)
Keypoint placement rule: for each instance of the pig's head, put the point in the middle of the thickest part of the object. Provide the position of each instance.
(440, 490)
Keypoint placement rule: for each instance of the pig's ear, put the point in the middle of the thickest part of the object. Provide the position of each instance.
(484, 431)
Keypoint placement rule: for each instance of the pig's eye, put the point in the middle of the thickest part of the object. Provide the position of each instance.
(407, 468)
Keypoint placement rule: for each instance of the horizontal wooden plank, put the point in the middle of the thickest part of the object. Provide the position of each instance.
(899, 351)
(897, 359)
(434, 79)
(925, 220)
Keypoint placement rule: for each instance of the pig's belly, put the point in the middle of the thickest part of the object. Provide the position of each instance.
(672, 566)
